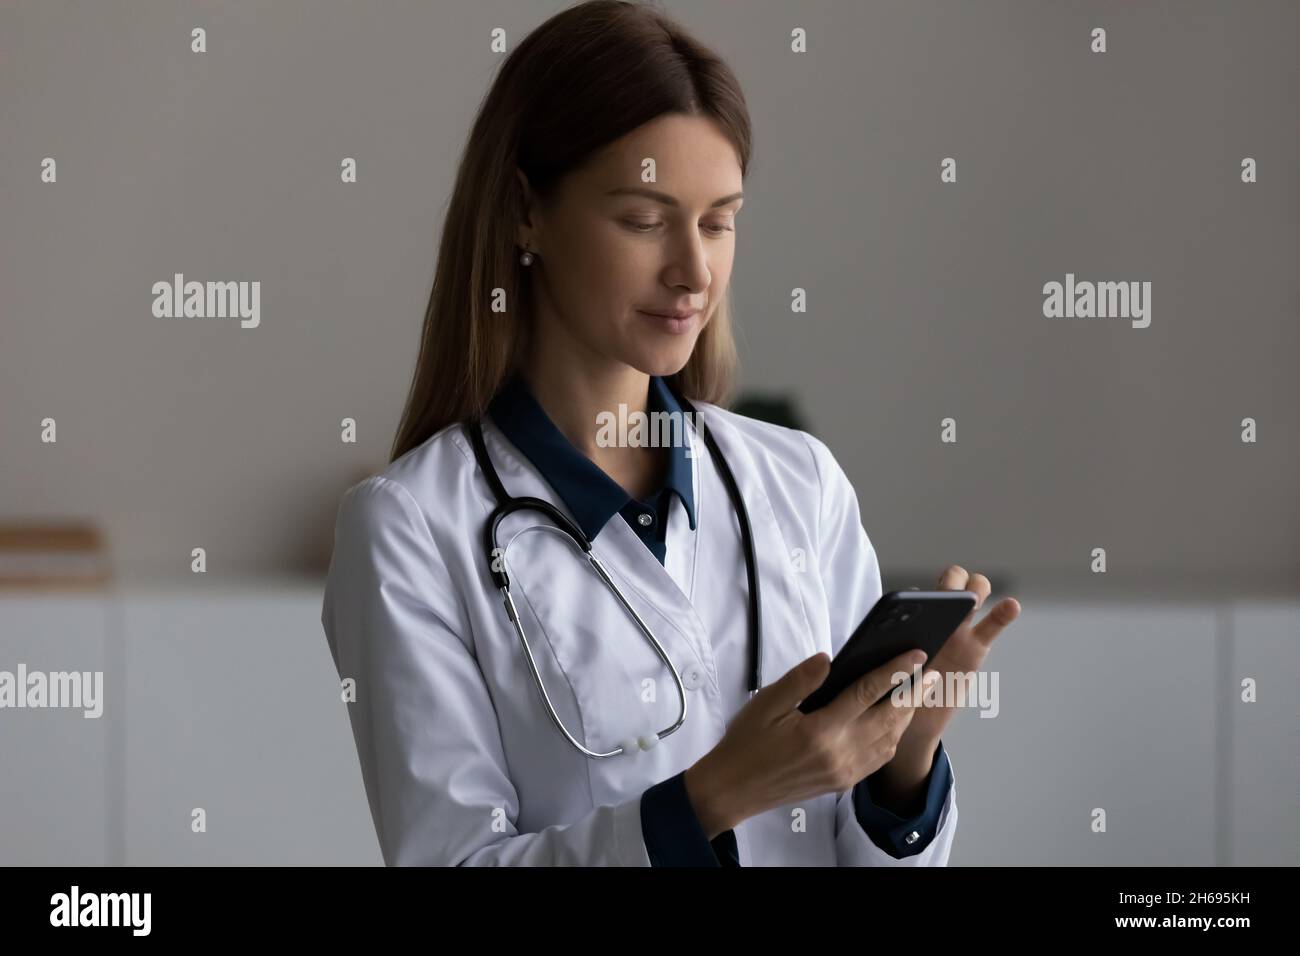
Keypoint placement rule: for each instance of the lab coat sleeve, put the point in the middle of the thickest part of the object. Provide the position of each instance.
(894, 834)
(425, 728)
(851, 576)
(673, 834)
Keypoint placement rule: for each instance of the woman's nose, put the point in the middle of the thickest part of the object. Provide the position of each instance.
(690, 264)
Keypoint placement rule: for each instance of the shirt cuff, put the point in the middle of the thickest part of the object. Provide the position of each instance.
(888, 830)
(673, 834)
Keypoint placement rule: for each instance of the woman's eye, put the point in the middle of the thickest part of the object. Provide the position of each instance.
(649, 226)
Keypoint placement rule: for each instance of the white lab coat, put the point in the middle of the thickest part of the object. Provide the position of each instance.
(460, 761)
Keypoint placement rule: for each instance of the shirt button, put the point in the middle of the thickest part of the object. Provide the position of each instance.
(645, 520)
(692, 678)
(913, 837)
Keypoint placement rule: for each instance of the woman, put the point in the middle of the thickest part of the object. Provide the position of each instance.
(583, 278)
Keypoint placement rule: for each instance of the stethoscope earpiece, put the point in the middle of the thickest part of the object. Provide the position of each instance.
(632, 746)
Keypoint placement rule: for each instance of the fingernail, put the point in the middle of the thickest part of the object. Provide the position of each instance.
(919, 657)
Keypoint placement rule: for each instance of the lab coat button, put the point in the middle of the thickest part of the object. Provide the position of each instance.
(691, 679)
(645, 520)
(913, 837)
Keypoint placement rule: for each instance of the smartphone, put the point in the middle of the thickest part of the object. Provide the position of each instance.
(899, 622)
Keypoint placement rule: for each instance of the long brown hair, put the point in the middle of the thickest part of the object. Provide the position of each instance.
(584, 78)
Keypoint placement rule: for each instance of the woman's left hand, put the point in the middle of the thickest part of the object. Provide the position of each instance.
(963, 652)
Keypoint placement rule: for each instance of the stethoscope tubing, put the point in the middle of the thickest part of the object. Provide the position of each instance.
(507, 505)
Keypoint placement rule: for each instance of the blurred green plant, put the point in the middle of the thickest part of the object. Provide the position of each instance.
(778, 409)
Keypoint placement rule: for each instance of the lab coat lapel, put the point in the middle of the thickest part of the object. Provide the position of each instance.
(787, 632)
(701, 618)
(662, 604)
(646, 583)
(706, 605)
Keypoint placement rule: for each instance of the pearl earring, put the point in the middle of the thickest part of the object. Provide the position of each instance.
(526, 259)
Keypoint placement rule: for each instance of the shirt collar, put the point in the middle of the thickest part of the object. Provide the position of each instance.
(591, 495)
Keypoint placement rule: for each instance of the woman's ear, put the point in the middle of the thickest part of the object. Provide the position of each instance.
(524, 237)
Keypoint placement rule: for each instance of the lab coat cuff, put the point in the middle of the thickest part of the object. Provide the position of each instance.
(673, 834)
(888, 830)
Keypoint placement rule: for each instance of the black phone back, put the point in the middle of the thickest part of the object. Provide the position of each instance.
(899, 622)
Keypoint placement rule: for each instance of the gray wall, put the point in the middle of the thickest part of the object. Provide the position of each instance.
(924, 298)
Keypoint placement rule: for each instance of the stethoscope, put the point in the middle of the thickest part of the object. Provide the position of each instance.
(507, 505)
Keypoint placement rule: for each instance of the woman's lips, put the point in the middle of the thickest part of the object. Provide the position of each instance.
(667, 323)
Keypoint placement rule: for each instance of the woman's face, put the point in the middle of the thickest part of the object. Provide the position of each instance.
(612, 248)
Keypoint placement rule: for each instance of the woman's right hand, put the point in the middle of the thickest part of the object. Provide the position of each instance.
(774, 754)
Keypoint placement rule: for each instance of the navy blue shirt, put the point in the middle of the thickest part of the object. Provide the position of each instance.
(672, 831)
(591, 496)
